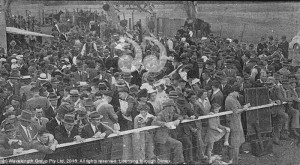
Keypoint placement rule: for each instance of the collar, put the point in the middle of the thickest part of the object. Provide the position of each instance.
(147, 116)
(57, 120)
(207, 80)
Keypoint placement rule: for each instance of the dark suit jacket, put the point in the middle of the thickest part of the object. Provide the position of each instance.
(204, 83)
(5, 149)
(185, 111)
(219, 99)
(51, 125)
(163, 133)
(21, 135)
(137, 77)
(225, 90)
(49, 113)
(61, 134)
(78, 77)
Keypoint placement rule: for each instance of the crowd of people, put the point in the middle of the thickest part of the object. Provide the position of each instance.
(73, 88)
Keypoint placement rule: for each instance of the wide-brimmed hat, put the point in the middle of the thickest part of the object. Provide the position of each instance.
(126, 75)
(43, 77)
(134, 89)
(69, 119)
(173, 94)
(168, 102)
(181, 101)
(123, 89)
(107, 93)
(88, 102)
(95, 115)
(82, 113)
(25, 116)
(52, 96)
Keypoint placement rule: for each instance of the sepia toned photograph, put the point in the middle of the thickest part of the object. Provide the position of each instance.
(149, 82)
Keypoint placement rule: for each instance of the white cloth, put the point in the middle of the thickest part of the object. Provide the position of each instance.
(94, 128)
(124, 107)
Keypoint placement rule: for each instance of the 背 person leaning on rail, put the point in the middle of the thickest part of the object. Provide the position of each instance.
(163, 98)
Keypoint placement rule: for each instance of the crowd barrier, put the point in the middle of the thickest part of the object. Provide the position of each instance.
(126, 146)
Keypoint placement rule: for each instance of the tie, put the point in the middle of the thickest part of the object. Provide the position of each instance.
(29, 135)
(69, 134)
(40, 122)
(96, 130)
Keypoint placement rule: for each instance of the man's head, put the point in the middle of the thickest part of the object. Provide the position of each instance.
(74, 95)
(53, 99)
(205, 75)
(95, 118)
(39, 112)
(69, 122)
(10, 130)
(43, 136)
(25, 118)
(35, 90)
(107, 95)
(123, 92)
(215, 85)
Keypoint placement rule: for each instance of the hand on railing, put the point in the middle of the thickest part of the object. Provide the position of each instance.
(18, 151)
(78, 139)
(10, 141)
(99, 135)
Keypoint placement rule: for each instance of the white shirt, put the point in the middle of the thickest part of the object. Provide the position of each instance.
(93, 128)
(58, 122)
(26, 130)
(216, 91)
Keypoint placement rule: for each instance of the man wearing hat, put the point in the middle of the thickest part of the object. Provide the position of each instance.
(277, 93)
(74, 99)
(38, 121)
(137, 75)
(127, 109)
(67, 132)
(57, 120)
(25, 132)
(51, 111)
(284, 70)
(284, 45)
(25, 89)
(37, 100)
(167, 119)
(8, 144)
(95, 129)
(184, 131)
(80, 75)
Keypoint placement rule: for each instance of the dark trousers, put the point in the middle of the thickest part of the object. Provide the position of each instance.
(187, 146)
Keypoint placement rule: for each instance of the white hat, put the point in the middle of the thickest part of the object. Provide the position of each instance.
(195, 81)
(19, 57)
(26, 77)
(122, 40)
(43, 76)
(203, 38)
(146, 86)
(119, 47)
(14, 54)
(183, 39)
(2, 59)
(160, 82)
(83, 83)
(13, 60)
(14, 66)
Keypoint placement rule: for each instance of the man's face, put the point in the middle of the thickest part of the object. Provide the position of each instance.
(143, 99)
(143, 113)
(193, 98)
(127, 79)
(38, 114)
(293, 85)
(244, 47)
(53, 103)
(68, 126)
(11, 134)
(74, 98)
(96, 122)
(204, 76)
(44, 138)
(182, 84)
(239, 79)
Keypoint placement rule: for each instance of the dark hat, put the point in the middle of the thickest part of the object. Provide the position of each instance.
(181, 101)
(123, 89)
(52, 96)
(126, 75)
(82, 113)
(121, 83)
(9, 127)
(102, 85)
(89, 102)
(253, 60)
(277, 76)
(234, 88)
(64, 108)
(150, 78)
(173, 94)
(285, 81)
(95, 115)
(142, 93)
(26, 77)
(25, 115)
(107, 93)
(168, 102)
(143, 107)
(69, 119)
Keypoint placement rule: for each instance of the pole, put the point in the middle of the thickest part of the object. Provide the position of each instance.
(221, 30)
(243, 33)
(43, 16)
(52, 18)
(133, 20)
(3, 44)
